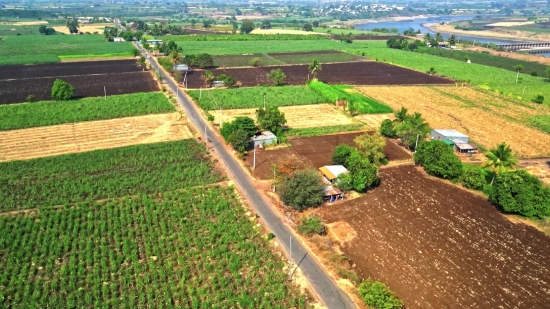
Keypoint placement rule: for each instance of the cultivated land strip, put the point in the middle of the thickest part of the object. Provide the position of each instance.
(86, 136)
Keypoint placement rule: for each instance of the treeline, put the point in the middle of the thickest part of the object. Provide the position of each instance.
(31, 14)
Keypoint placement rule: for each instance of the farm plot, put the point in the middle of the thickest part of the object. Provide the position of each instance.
(325, 56)
(304, 116)
(353, 73)
(46, 113)
(486, 117)
(373, 121)
(315, 152)
(168, 251)
(102, 174)
(438, 246)
(86, 136)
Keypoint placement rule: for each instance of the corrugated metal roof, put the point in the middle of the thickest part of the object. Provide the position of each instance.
(266, 135)
(449, 133)
(332, 171)
(464, 146)
(330, 190)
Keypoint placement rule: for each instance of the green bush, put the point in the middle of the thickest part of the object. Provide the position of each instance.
(302, 190)
(377, 296)
(438, 160)
(62, 90)
(310, 225)
(539, 98)
(520, 192)
(341, 154)
(238, 132)
(387, 130)
(474, 177)
(364, 174)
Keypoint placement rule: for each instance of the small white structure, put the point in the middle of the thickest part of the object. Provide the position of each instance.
(118, 39)
(331, 172)
(154, 42)
(180, 67)
(452, 135)
(264, 138)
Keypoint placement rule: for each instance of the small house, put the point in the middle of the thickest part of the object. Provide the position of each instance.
(154, 42)
(180, 67)
(264, 138)
(331, 172)
(118, 39)
(452, 135)
(465, 148)
(218, 83)
(332, 193)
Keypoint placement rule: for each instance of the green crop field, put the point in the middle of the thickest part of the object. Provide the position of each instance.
(497, 79)
(541, 121)
(8, 30)
(244, 37)
(44, 113)
(263, 47)
(29, 49)
(357, 102)
(101, 174)
(253, 97)
(487, 59)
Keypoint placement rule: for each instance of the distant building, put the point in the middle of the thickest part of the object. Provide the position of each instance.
(264, 138)
(154, 42)
(180, 67)
(331, 172)
(118, 39)
(452, 135)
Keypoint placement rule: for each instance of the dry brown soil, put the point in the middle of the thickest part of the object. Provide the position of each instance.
(438, 246)
(315, 151)
(86, 136)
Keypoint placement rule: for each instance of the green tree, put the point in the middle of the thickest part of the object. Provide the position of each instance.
(206, 24)
(438, 159)
(438, 37)
(208, 77)
(175, 57)
(142, 62)
(344, 182)
(72, 24)
(364, 175)
(315, 67)
(62, 90)
(473, 177)
(202, 61)
(386, 129)
(547, 72)
(372, 145)
(42, 29)
(452, 40)
(135, 52)
(255, 62)
(247, 124)
(377, 296)
(239, 140)
(519, 192)
(518, 68)
(341, 154)
(247, 26)
(315, 23)
(276, 76)
(401, 115)
(428, 37)
(193, 23)
(302, 190)
(412, 129)
(500, 159)
(307, 27)
(270, 118)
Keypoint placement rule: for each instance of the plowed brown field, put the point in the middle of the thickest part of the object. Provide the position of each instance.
(487, 118)
(438, 246)
(303, 116)
(86, 136)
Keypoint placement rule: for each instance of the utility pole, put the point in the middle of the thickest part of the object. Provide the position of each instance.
(523, 91)
(200, 93)
(254, 163)
(416, 145)
(517, 77)
(290, 262)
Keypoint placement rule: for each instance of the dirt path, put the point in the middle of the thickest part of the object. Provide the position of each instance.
(86, 136)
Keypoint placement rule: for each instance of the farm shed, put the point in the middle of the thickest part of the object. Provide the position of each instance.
(180, 67)
(154, 42)
(118, 39)
(453, 135)
(332, 193)
(465, 148)
(264, 138)
(331, 172)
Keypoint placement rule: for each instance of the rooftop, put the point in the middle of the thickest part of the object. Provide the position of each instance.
(448, 132)
(465, 146)
(330, 190)
(265, 135)
(332, 171)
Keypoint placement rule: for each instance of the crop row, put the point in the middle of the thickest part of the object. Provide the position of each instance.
(28, 115)
(101, 174)
(184, 249)
(356, 102)
(254, 97)
(240, 37)
(24, 49)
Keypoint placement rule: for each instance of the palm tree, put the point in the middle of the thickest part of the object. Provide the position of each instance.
(428, 37)
(500, 159)
(438, 37)
(175, 57)
(208, 77)
(401, 116)
(141, 62)
(315, 67)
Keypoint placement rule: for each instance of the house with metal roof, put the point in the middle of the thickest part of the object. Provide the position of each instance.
(180, 67)
(264, 138)
(331, 172)
(452, 135)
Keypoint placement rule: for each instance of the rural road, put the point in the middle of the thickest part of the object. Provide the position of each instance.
(324, 287)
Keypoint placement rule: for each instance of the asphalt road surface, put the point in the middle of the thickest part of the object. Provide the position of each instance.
(324, 287)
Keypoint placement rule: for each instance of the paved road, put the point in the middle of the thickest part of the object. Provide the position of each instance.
(330, 295)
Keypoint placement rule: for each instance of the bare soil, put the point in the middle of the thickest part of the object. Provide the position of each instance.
(316, 152)
(86, 136)
(438, 246)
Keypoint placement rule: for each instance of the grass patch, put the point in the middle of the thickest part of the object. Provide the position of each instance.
(323, 58)
(541, 122)
(253, 97)
(101, 174)
(195, 248)
(96, 56)
(24, 49)
(45, 113)
(309, 132)
(357, 102)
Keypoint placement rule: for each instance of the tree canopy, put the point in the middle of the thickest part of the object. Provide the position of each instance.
(315, 67)
(372, 145)
(276, 76)
(270, 118)
(247, 26)
(302, 190)
(438, 159)
(62, 90)
(500, 159)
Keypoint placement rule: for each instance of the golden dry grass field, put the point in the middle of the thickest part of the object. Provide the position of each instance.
(373, 121)
(302, 116)
(487, 117)
(86, 136)
(85, 28)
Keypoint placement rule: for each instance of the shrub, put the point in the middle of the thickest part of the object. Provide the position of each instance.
(239, 140)
(276, 76)
(341, 154)
(377, 296)
(519, 192)
(30, 98)
(372, 145)
(344, 182)
(364, 174)
(255, 62)
(539, 98)
(302, 190)
(386, 129)
(438, 160)
(270, 118)
(62, 90)
(474, 177)
(310, 225)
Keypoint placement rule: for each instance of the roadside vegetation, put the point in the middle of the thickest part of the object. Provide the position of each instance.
(102, 174)
(45, 113)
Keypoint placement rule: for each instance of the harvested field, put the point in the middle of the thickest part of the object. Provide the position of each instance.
(303, 116)
(374, 120)
(352, 73)
(326, 56)
(85, 28)
(487, 117)
(88, 79)
(438, 246)
(315, 151)
(86, 136)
